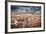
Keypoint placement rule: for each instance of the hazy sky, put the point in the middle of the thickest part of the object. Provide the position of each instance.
(33, 9)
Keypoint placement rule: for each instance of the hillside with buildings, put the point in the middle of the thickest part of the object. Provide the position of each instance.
(26, 21)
